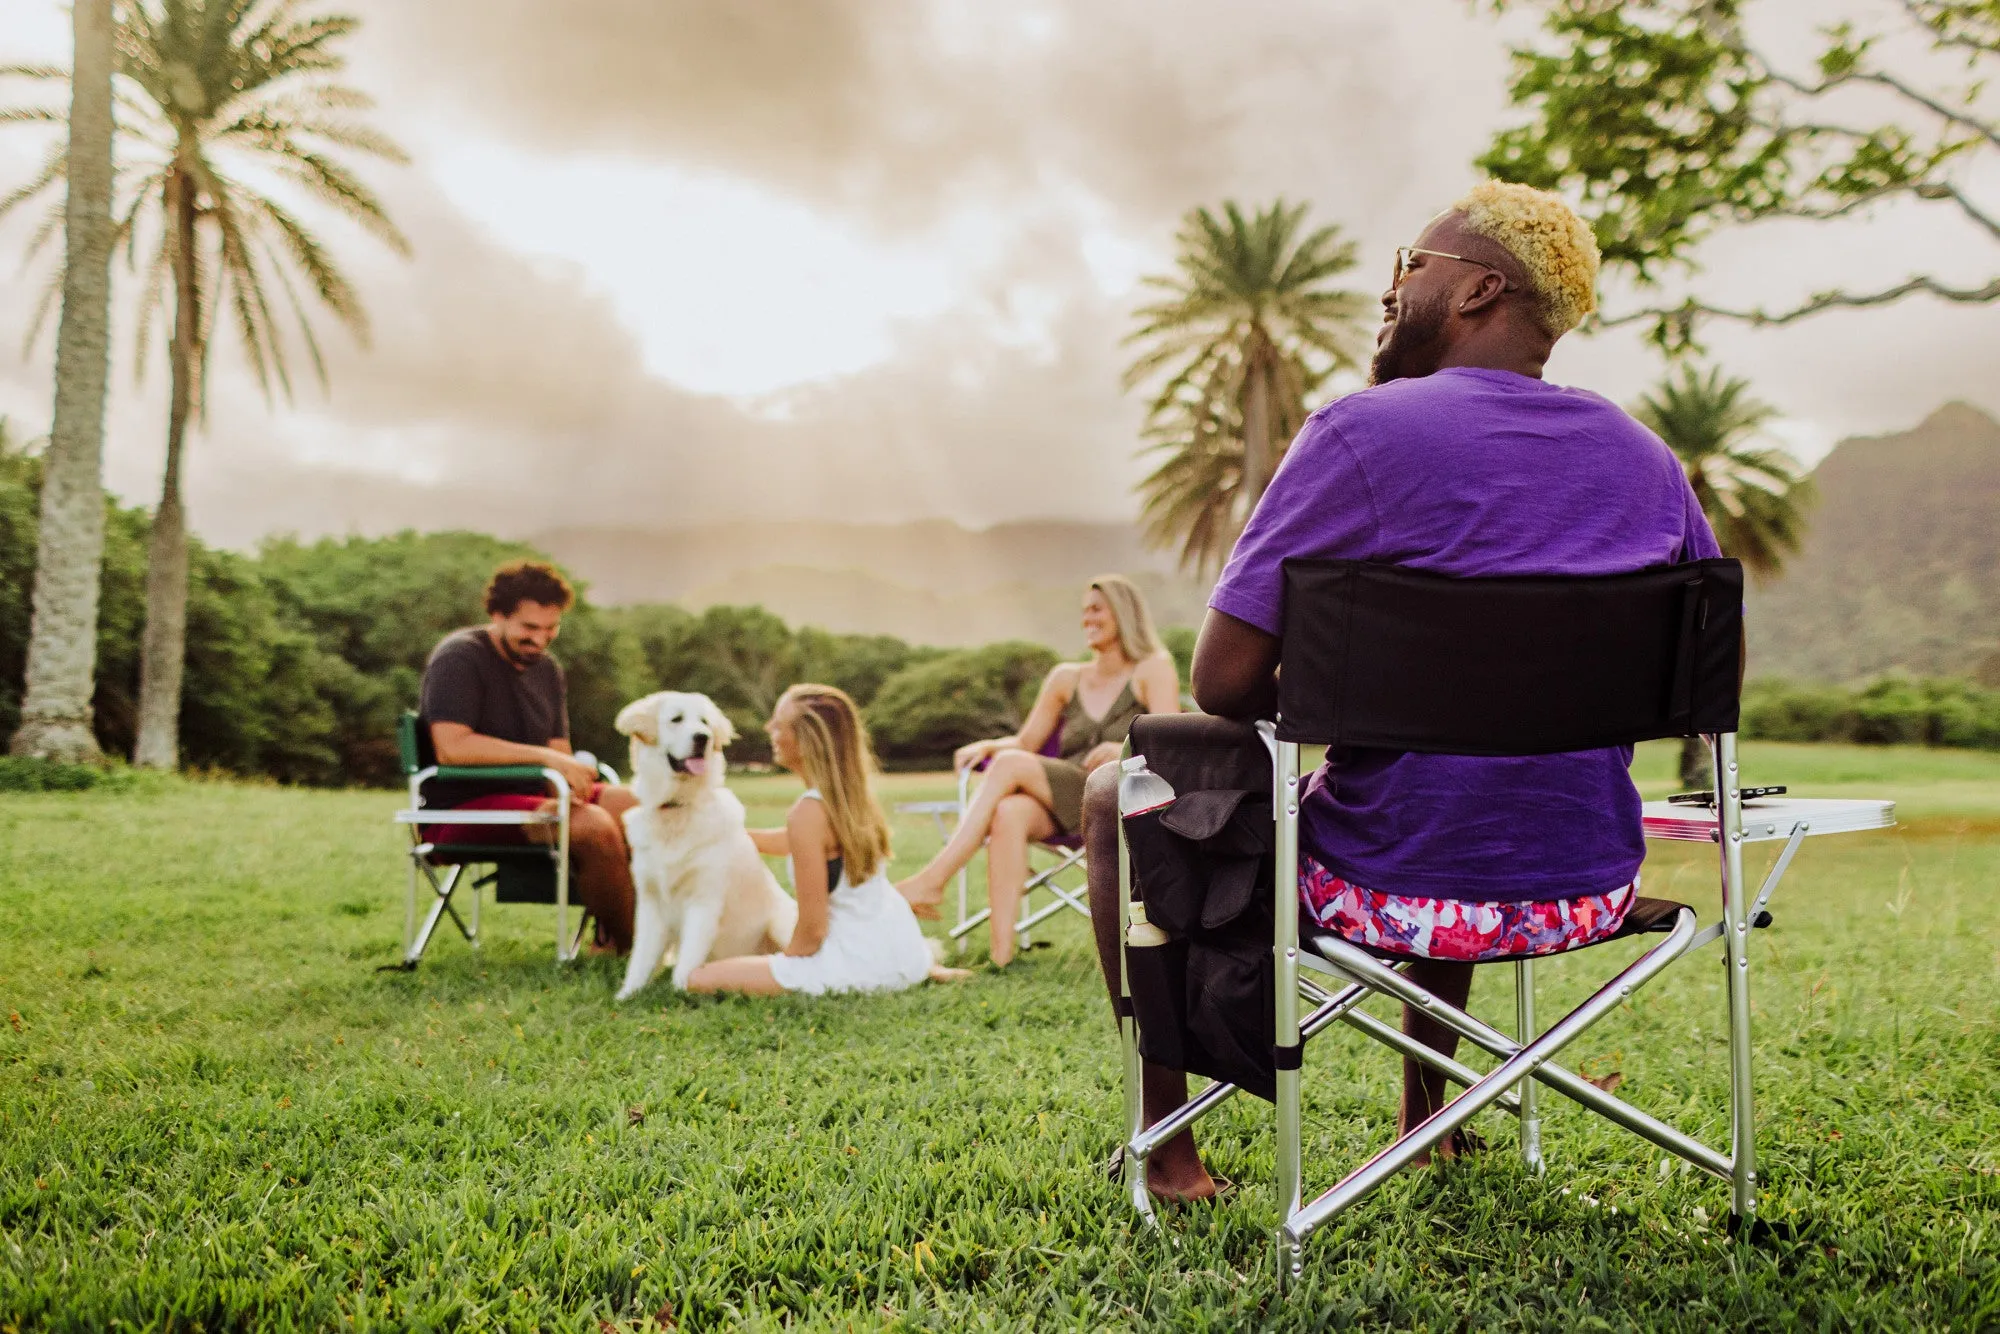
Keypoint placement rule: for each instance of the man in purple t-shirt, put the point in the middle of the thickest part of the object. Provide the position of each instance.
(1459, 459)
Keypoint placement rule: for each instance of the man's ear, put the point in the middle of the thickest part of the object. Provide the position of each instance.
(719, 725)
(640, 720)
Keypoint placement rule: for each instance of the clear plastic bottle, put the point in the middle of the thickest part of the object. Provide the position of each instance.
(1140, 789)
(1142, 933)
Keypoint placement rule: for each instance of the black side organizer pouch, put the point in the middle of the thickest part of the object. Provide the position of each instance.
(1203, 866)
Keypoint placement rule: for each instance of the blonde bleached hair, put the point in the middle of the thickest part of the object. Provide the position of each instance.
(1136, 637)
(835, 757)
(1553, 244)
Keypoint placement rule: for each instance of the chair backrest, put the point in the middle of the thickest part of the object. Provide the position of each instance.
(1401, 659)
(413, 743)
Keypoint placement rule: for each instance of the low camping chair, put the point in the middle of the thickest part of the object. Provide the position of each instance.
(1065, 849)
(518, 872)
(1396, 659)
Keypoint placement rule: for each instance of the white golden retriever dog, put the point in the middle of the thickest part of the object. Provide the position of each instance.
(703, 890)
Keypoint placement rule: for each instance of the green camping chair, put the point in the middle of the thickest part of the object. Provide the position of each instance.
(518, 873)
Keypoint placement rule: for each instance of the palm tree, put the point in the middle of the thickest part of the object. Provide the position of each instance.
(1245, 329)
(62, 645)
(216, 89)
(1755, 496)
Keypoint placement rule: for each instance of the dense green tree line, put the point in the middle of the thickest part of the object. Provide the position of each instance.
(300, 657)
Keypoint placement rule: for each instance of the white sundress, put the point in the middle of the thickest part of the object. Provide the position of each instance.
(873, 942)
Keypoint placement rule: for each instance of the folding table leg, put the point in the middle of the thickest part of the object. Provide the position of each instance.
(1736, 938)
(1524, 1031)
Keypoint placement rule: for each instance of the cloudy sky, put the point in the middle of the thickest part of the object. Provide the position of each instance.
(682, 260)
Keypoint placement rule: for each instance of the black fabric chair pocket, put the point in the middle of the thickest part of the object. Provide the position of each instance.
(1229, 1008)
(1168, 871)
(1158, 977)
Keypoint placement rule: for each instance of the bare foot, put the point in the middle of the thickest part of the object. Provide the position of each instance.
(940, 973)
(1175, 1173)
(923, 902)
(1460, 1143)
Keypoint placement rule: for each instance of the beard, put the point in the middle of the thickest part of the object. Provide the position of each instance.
(1416, 342)
(521, 652)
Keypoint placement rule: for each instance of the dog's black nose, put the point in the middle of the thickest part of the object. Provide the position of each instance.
(700, 743)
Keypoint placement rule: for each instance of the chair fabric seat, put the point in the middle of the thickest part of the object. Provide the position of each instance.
(1644, 917)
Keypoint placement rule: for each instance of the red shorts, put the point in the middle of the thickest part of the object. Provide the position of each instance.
(1463, 930)
(503, 834)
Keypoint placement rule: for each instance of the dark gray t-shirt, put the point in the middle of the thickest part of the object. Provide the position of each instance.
(469, 681)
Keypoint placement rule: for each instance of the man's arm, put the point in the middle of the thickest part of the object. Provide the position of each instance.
(1235, 669)
(455, 743)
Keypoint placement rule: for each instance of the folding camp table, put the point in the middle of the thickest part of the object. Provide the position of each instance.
(1767, 820)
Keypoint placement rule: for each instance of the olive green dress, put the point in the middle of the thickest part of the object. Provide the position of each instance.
(1080, 734)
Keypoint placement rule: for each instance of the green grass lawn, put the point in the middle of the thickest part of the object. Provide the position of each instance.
(215, 1114)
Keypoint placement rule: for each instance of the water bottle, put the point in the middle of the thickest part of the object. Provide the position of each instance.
(1142, 933)
(1140, 789)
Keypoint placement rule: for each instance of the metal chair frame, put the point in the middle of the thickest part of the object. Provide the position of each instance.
(1348, 975)
(445, 878)
(1067, 858)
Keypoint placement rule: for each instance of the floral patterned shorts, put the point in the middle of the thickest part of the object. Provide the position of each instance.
(1459, 929)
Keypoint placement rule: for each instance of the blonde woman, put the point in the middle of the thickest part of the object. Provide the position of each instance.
(1027, 796)
(855, 933)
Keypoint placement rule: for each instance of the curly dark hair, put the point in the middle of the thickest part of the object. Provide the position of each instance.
(521, 581)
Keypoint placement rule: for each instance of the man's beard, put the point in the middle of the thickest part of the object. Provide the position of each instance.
(521, 653)
(1416, 343)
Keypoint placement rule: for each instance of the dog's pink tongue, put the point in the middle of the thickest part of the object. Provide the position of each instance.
(697, 764)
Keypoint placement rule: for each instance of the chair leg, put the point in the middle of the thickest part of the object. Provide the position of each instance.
(1736, 935)
(1524, 1030)
(565, 951)
(1130, 1065)
(1523, 1063)
(443, 890)
(1356, 965)
(1285, 1030)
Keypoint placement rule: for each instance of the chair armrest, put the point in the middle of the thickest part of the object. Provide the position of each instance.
(497, 773)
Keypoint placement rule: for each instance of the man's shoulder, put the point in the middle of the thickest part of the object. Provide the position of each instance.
(1434, 404)
(467, 643)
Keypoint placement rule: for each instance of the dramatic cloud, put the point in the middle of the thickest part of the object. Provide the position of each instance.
(510, 384)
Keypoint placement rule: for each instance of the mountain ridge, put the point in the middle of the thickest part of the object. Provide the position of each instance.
(1899, 569)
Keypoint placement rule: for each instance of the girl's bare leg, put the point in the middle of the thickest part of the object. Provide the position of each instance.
(749, 974)
(1012, 771)
(1017, 820)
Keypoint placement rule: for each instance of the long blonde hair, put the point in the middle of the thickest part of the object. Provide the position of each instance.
(1136, 637)
(835, 757)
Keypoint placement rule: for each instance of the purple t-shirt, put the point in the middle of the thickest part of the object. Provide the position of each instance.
(1470, 472)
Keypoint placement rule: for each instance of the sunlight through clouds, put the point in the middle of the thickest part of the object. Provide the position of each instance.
(730, 287)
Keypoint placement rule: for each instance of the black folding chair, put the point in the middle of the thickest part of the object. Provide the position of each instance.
(1384, 657)
(517, 872)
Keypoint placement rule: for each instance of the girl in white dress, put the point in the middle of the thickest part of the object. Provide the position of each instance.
(855, 932)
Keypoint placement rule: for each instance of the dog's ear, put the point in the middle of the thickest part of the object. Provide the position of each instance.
(719, 725)
(640, 720)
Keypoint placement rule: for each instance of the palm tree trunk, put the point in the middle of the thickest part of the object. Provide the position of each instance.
(69, 554)
(1256, 424)
(164, 649)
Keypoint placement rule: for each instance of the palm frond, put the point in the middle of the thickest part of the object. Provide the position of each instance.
(1250, 294)
(1755, 497)
(55, 167)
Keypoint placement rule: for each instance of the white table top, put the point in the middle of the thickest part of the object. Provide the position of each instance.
(1770, 818)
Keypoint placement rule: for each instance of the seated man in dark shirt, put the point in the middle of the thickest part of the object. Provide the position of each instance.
(1460, 459)
(492, 694)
